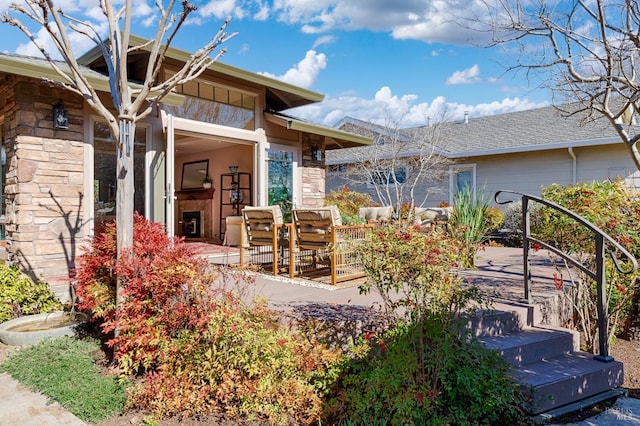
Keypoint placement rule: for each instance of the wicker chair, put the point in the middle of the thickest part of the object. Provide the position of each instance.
(321, 241)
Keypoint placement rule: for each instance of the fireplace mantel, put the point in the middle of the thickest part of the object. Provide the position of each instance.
(196, 194)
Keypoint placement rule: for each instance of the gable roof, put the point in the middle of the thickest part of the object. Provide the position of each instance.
(522, 131)
(280, 95)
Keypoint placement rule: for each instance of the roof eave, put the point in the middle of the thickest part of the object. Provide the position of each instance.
(341, 139)
(543, 147)
(39, 70)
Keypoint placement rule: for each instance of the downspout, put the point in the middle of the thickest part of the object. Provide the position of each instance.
(574, 171)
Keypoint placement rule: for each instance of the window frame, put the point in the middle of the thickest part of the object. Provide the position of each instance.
(454, 170)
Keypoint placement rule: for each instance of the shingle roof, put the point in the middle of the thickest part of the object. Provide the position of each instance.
(530, 130)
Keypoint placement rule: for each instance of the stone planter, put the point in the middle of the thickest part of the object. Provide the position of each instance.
(31, 329)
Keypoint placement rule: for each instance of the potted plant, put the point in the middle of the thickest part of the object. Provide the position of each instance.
(207, 182)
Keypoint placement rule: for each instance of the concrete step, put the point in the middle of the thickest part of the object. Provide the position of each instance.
(554, 382)
(494, 323)
(533, 344)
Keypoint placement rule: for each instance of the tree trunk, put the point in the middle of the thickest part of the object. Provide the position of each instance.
(124, 197)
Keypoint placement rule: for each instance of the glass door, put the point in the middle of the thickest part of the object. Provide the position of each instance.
(281, 189)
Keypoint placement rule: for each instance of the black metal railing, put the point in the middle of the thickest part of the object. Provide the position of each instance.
(603, 244)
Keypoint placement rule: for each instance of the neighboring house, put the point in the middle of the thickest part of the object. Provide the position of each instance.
(58, 180)
(520, 151)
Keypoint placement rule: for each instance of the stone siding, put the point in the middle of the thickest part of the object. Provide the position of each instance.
(312, 173)
(45, 177)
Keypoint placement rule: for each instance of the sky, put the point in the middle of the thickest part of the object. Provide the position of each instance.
(400, 61)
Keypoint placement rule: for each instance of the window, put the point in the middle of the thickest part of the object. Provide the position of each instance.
(104, 172)
(389, 176)
(212, 104)
(461, 176)
(281, 163)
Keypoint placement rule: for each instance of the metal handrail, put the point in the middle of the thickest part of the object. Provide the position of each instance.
(602, 241)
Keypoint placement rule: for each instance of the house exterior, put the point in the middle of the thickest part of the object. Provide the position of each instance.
(58, 182)
(519, 151)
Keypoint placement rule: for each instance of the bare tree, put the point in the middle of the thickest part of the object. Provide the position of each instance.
(403, 166)
(131, 103)
(589, 48)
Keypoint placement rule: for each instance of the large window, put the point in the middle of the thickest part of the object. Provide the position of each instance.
(104, 172)
(218, 105)
(462, 176)
(280, 164)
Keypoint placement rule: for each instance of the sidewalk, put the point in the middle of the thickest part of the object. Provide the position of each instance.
(499, 273)
(20, 406)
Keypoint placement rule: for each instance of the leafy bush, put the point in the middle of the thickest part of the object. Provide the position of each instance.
(614, 209)
(198, 348)
(64, 369)
(494, 219)
(19, 295)
(469, 224)
(424, 369)
(164, 290)
(513, 221)
(459, 382)
(243, 363)
(412, 272)
(348, 202)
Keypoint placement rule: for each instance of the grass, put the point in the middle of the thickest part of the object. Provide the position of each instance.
(65, 370)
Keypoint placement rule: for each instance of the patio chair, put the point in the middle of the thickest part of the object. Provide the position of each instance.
(266, 240)
(321, 241)
(378, 216)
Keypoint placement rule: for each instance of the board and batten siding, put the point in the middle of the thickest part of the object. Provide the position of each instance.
(530, 172)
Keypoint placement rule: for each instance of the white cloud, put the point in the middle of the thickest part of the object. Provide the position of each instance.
(328, 39)
(304, 73)
(468, 76)
(428, 21)
(221, 9)
(386, 107)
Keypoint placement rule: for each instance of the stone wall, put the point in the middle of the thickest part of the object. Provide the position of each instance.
(44, 181)
(312, 173)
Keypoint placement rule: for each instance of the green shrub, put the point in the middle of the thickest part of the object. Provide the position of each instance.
(243, 363)
(469, 224)
(513, 221)
(615, 210)
(459, 382)
(424, 369)
(494, 219)
(64, 369)
(19, 295)
(348, 202)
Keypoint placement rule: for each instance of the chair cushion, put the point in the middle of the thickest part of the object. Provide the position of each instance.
(261, 226)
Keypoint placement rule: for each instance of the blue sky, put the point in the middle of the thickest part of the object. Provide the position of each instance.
(376, 60)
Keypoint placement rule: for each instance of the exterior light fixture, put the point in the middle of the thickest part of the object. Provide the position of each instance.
(316, 151)
(60, 117)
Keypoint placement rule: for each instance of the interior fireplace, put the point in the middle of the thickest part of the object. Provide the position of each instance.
(192, 224)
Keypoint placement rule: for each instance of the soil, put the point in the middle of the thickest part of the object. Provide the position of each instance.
(625, 351)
